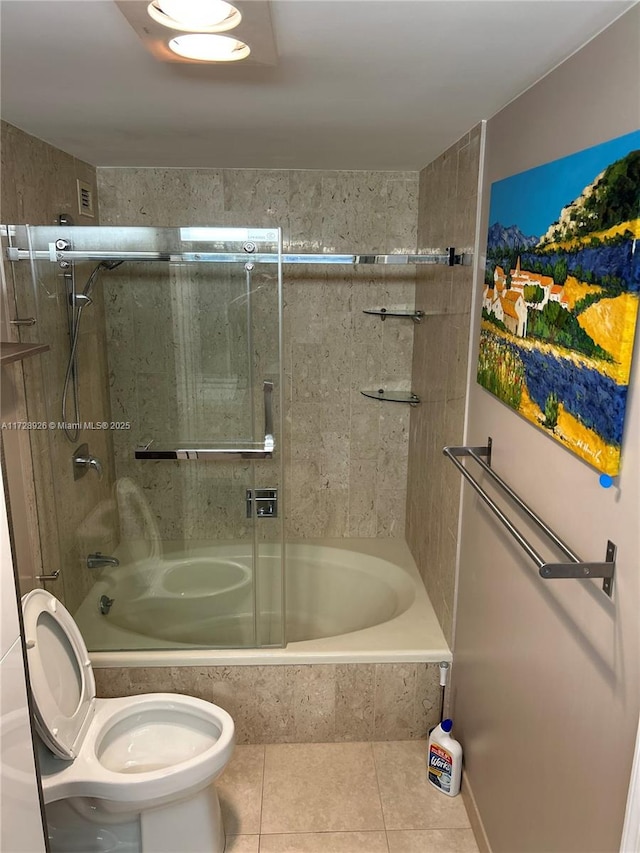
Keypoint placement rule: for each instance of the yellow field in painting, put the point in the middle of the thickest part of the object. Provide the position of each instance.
(575, 290)
(611, 323)
(575, 436)
(632, 225)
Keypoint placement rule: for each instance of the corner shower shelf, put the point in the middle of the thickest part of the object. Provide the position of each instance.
(393, 396)
(383, 313)
(10, 351)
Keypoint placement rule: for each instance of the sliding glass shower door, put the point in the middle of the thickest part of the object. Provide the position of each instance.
(179, 545)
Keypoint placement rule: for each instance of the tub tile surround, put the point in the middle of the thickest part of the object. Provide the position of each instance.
(446, 206)
(299, 703)
(344, 455)
(38, 180)
(339, 798)
(39, 183)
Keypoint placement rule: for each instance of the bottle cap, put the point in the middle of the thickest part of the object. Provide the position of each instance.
(446, 725)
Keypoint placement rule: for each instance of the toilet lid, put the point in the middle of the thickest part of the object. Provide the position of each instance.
(60, 673)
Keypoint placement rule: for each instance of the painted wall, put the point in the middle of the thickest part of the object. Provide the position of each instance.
(38, 183)
(447, 205)
(345, 456)
(547, 686)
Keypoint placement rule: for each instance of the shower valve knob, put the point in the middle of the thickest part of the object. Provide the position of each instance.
(83, 462)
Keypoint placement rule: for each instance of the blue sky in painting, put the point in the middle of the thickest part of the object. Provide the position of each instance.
(532, 200)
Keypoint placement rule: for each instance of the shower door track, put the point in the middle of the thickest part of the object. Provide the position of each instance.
(448, 258)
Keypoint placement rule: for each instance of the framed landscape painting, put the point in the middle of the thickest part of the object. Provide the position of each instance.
(560, 296)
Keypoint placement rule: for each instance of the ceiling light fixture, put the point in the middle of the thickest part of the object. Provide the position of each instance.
(209, 48)
(205, 16)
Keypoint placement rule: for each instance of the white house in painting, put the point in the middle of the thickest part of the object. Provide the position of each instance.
(505, 300)
(507, 306)
(514, 311)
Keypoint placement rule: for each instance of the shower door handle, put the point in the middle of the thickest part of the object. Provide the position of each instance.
(269, 442)
(231, 453)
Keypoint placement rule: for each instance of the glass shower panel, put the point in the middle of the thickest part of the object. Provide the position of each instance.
(182, 329)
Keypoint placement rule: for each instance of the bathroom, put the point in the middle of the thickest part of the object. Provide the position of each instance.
(537, 666)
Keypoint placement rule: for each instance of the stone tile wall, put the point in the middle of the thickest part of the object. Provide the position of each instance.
(446, 217)
(345, 456)
(39, 183)
(308, 703)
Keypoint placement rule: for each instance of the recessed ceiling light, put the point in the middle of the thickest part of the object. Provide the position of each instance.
(209, 48)
(205, 16)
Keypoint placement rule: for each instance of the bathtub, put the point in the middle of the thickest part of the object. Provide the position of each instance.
(347, 601)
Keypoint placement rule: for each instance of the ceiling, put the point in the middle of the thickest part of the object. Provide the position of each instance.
(359, 84)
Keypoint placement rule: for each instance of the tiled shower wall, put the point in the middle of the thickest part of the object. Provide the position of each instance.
(38, 183)
(446, 216)
(345, 456)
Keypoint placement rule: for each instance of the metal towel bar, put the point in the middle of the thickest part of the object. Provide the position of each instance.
(575, 567)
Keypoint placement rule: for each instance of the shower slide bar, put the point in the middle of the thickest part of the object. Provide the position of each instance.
(448, 258)
(264, 450)
(575, 567)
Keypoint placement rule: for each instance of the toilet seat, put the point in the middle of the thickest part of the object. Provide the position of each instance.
(179, 743)
(60, 673)
(88, 776)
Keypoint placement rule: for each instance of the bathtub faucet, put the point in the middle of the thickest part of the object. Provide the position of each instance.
(98, 560)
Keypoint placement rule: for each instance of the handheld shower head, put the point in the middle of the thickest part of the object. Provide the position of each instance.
(103, 265)
(77, 301)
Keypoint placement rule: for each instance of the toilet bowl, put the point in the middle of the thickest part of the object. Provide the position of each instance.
(138, 769)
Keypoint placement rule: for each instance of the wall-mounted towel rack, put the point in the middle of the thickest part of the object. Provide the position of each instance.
(575, 567)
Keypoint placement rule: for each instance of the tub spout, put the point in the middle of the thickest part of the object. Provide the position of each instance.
(98, 560)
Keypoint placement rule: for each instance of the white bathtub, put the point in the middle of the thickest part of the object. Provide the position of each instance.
(348, 601)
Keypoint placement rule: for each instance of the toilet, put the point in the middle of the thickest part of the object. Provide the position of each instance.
(133, 774)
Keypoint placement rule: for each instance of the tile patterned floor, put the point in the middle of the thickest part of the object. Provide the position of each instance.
(338, 798)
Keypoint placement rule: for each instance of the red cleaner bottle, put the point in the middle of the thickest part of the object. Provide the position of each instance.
(444, 759)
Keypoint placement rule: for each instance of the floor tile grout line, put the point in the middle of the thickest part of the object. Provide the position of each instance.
(324, 832)
(375, 769)
(264, 767)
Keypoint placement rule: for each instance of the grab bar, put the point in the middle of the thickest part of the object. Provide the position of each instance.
(264, 450)
(575, 567)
